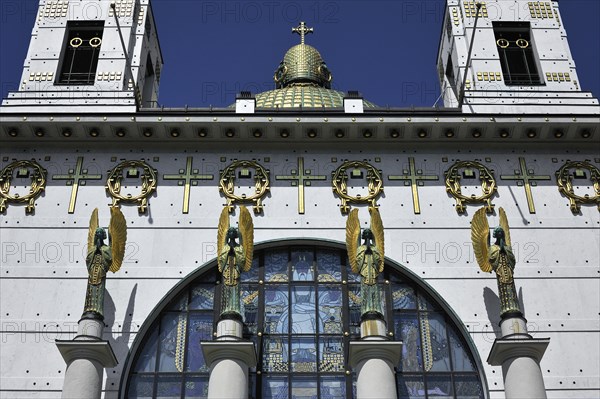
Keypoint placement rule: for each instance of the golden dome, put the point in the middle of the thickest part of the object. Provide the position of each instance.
(305, 96)
(302, 64)
(303, 80)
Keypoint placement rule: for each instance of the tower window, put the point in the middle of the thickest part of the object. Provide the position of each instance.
(513, 40)
(80, 54)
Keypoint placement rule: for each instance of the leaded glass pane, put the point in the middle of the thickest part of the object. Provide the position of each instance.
(168, 387)
(180, 303)
(146, 361)
(330, 310)
(333, 387)
(249, 298)
(439, 386)
(196, 387)
(331, 355)
(425, 303)
(276, 310)
(467, 387)
(202, 297)
(461, 359)
(252, 274)
(275, 388)
(329, 266)
(303, 265)
(406, 329)
(304, 355)
(200, 329)
(352, 277)
(302, 347)
(304, 388)
(439, 342)
(276, 266)
(304, 319)
(172, 342)
(403, 297)
(275, 355)
(410, 387)
(140, 387)
(354, 310)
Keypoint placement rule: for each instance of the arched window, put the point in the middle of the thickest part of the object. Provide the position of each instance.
(301, 308)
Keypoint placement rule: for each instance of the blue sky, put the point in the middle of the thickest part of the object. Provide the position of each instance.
(385, 49)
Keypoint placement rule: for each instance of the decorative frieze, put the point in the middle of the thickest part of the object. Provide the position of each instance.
(365, 175)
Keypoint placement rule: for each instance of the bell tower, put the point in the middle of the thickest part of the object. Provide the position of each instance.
(509, 57)
(94, 55)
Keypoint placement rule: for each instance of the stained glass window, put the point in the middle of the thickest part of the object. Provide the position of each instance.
(301, 308)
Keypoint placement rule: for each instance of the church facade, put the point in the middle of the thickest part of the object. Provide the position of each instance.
(517, 137)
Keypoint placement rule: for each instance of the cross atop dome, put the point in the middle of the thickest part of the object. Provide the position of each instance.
(302, 30)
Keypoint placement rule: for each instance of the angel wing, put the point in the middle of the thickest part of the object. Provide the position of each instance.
(377, 229)
(504, 225)
(222, 230)
(92, 230)
(117, 231)
(247, 230)
(480, 236)
(352, 238)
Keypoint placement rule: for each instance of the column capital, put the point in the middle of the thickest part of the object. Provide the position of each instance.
(390, 351)
(504, 349)
(99, 350)
(232, 350)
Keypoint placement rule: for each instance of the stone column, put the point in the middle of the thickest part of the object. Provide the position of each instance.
(86, 356)
(229, 358)
(519, 354)
(374, 358)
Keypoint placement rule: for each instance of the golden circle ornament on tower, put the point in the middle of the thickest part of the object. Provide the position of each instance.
(76, 42)
(95, 42)
(522, 43)
(502, 43)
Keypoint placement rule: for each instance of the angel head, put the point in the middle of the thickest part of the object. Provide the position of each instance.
(368, 236)
(99, 237)
(500, 236)
(498, 233)
(232, 235)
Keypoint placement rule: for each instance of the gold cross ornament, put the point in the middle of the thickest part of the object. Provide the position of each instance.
(302, 30)
(525, 177)
(187, 178)
(76, 177)
(414, 178)
(301, 177)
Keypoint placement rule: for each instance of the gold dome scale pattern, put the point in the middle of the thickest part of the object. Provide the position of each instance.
(303, 80)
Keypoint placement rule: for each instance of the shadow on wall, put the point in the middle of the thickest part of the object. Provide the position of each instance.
(492, 306)
(118, 336)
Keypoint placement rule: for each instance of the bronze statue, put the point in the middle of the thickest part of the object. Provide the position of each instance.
(367, 260)
(101, 258)
(498, 257)
(234, 258)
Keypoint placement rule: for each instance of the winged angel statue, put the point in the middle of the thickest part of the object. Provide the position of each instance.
(234, 258)
(101, 258)
(367, 259)
(498, 257)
